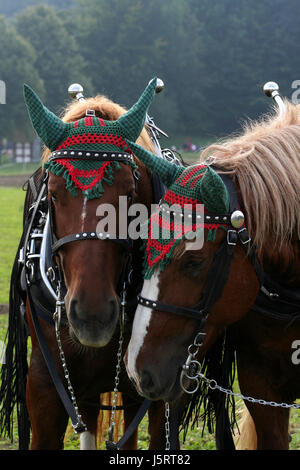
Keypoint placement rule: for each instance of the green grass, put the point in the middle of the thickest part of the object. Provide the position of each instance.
(11, 214)
(18, 168)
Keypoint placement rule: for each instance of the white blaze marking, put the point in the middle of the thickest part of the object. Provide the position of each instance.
(140, 325)
(87, 441)
(83, 213)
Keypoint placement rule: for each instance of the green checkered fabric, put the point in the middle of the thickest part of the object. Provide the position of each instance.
(85, 176)
(209, 191)
(168, 172)
(196, 185)
(56, 134)
(47, 125)
(133, 121)
(87, 134)
(187, 189)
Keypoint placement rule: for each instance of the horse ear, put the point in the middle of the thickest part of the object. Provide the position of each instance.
(133, 121)
(213, 192)
(168, 172)
(47, 125)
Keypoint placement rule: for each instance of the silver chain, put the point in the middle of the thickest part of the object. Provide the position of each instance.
(214, 386)
(191, 370)
(167, 425)
(57, 320)
(118, 369)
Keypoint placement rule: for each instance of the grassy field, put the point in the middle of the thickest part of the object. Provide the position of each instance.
(18, 168)
(11, 211)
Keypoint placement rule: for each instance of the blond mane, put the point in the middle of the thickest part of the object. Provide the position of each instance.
(106, 109)
(265, 163)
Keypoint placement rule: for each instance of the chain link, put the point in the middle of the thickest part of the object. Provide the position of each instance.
(57, 319)
(167, 425)
(215, 386)
(191, 370)
(118, 368)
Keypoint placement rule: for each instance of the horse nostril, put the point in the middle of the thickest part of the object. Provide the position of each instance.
(147, 382)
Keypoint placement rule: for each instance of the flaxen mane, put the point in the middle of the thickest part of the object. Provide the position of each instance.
(265, 163)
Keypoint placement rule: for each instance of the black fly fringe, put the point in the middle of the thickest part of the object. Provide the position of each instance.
(216, 410)
(14, 370)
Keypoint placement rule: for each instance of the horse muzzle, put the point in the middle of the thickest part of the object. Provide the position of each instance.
(93, 327)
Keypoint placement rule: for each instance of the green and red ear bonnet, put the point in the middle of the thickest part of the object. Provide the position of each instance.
(187, 187)
(89, 133)
(198, 184)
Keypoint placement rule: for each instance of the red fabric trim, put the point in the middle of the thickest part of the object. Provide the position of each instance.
(88, 121)
(75, 124)
(173, 198)
(76, 173)
(190, 174)
(177, 229)
(89, 138)
(195, 180)
(101, 122)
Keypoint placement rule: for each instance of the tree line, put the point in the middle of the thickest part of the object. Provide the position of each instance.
(214, 57)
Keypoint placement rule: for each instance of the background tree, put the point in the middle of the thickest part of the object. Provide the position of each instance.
(57, 55)
(17, 65)
(214, 57)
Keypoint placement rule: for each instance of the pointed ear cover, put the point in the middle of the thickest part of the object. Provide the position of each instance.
(133, 121)
(168, 172)
(48, 126)
(213, 193)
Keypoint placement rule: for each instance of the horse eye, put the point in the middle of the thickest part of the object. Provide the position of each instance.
(192, 267)
(53, 197)
(191, 264)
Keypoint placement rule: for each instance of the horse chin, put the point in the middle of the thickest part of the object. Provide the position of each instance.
(169, 394)
(92, 328)
(96, 337)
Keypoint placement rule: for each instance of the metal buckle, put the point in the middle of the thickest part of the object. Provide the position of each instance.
(231, 240)
(90, 112)
(21, 259)
(244, 242)
(210, 160)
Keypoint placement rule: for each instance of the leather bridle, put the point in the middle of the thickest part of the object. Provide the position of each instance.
(56, 245)
(219, 269)
(80, 236)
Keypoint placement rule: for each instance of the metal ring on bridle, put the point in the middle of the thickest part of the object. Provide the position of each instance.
(182, 376)
(190, 349)
(198, 341)
(196, 373)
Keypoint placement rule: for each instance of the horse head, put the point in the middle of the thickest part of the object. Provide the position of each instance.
(89, 165)
(189, 289)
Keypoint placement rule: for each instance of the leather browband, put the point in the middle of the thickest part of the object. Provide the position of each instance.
(91, 155)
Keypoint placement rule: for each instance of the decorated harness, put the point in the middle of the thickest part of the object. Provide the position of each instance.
(86, 153)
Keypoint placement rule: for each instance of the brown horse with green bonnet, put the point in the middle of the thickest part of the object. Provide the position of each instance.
(68, 266)
(238, 293)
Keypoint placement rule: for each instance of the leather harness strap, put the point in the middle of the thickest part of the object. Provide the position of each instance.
(88, 236)
(56, 244)
(219, 269)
